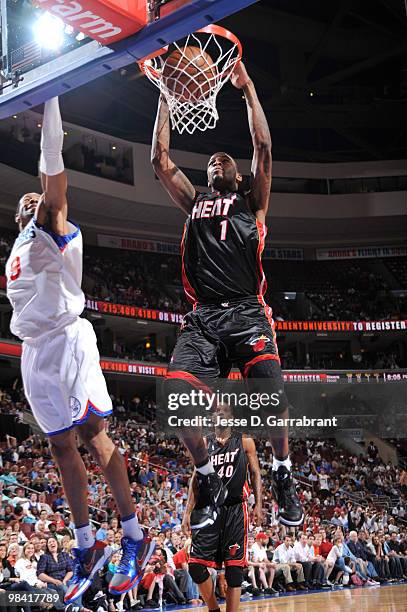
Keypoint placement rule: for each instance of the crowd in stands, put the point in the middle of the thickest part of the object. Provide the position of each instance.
(115, 166)
(147, 280)
(335, 290)
(138, 352)
(357, 294)
(339, 292)
(354, 531)
(341, 360)
(151, 280)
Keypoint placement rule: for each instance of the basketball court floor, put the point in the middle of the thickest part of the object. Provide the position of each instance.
(392, 598)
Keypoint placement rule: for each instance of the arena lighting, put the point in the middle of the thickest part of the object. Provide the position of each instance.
(49, 31)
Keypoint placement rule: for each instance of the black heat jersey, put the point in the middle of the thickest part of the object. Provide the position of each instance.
(225, 541)
(221, 249)
(230, 462)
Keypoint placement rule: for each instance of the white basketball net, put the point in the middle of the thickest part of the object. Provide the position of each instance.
(192, 98)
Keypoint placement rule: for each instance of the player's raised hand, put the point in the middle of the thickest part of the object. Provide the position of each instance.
(239, 77)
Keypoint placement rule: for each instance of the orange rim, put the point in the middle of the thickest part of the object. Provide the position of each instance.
(212, 28)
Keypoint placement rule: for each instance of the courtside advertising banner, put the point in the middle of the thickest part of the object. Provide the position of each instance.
(361, 252)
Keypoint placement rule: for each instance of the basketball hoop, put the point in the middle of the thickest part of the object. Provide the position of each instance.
(191, 83)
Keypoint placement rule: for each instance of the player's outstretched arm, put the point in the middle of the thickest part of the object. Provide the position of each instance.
(174, 180)
(255, 477)
(260, 132)
(53, 176)
(190, 505)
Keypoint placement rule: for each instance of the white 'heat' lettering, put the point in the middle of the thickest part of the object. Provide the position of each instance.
(223, 458)
(206, 209)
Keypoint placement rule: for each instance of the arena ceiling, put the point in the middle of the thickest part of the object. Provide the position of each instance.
(332, 77)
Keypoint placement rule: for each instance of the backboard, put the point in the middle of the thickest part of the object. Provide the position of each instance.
(31, 74)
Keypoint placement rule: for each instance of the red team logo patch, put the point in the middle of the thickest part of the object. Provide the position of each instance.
(233, 549)
(259, 343)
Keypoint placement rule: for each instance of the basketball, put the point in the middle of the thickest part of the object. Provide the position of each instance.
(190, 74)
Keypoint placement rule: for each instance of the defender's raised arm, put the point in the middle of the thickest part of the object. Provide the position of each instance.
(53, 175)
(173, 179)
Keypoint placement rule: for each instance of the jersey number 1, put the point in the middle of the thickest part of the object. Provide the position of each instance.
(224, 229)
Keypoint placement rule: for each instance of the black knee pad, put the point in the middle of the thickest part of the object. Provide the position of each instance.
(265, 376)
(234, 576)
(199, 573)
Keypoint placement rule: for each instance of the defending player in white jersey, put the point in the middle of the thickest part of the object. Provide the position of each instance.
(60, 366)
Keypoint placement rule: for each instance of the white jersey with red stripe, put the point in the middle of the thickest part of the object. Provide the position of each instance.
(44, 276)
(60, 363)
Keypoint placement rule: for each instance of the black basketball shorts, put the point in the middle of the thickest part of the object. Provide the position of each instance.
(216, 337)
(224, 542)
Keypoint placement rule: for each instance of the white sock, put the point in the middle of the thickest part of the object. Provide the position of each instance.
(131, 528)
(286, 463)
(206, 469)
(84, 536)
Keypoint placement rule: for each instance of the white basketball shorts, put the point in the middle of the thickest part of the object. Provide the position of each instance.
(62, 378)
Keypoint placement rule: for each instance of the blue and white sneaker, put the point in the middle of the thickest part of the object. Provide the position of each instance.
(135, 556)
(87, 561)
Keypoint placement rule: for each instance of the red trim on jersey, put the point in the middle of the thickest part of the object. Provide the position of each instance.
(203, 562)
(189, 290)
(262, 231)
(95, 408)
(193, 380)
(251, 363)
(269, 316)
(239, 563)
(243, 561)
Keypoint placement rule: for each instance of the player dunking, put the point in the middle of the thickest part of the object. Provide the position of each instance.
(225, 541)
(60, 367)
(222, 274)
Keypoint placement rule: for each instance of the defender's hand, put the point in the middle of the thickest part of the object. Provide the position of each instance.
(239, 77)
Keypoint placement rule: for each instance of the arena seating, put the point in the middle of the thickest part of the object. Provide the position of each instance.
(335, 290)
(339, 491)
